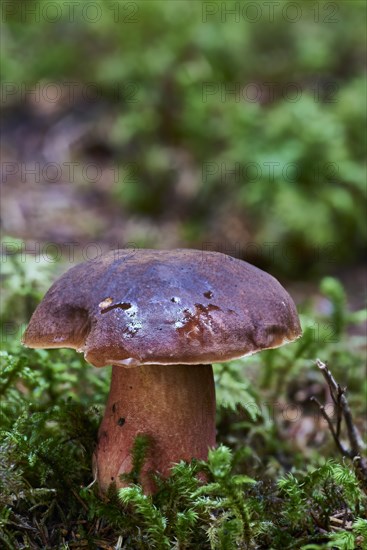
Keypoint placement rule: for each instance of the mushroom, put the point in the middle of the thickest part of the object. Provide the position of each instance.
(160, 318)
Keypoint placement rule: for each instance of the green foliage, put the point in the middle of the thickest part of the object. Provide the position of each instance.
(345, 540)
(23, 279)
(324, 490)
(148, 516)
(233, 529)
(141, 446)
(185, 513)
(44, 458)
(311, 501)
(232, 389)
(333, 290)
(283, 155)
(233, 511)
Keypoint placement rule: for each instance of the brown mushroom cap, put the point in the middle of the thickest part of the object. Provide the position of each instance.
(135, 307)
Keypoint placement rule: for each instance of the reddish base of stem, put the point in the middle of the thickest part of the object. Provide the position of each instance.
(174, 405)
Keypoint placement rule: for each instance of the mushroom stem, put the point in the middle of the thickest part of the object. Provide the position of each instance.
(174, 405)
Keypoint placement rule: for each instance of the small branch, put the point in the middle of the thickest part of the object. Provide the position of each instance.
(343, 412)
(344, 451)
(343, 409)
(339, 415)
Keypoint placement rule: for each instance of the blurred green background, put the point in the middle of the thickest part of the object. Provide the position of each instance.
(230, 126)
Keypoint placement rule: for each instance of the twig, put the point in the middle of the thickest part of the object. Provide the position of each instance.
(339, 415)
(80, 500)
(343, 409)
(343, 412)
(344, 451)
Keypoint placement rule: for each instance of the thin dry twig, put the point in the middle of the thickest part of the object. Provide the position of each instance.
(343, 450)
(343, 412)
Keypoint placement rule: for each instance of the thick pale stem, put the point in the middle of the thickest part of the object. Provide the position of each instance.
(174, 405)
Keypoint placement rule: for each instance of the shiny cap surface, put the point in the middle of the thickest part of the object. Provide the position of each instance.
(135, 307)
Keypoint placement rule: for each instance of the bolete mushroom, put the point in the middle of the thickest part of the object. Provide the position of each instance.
(160, 318)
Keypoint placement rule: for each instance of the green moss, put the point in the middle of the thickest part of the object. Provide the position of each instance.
(263, 488)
